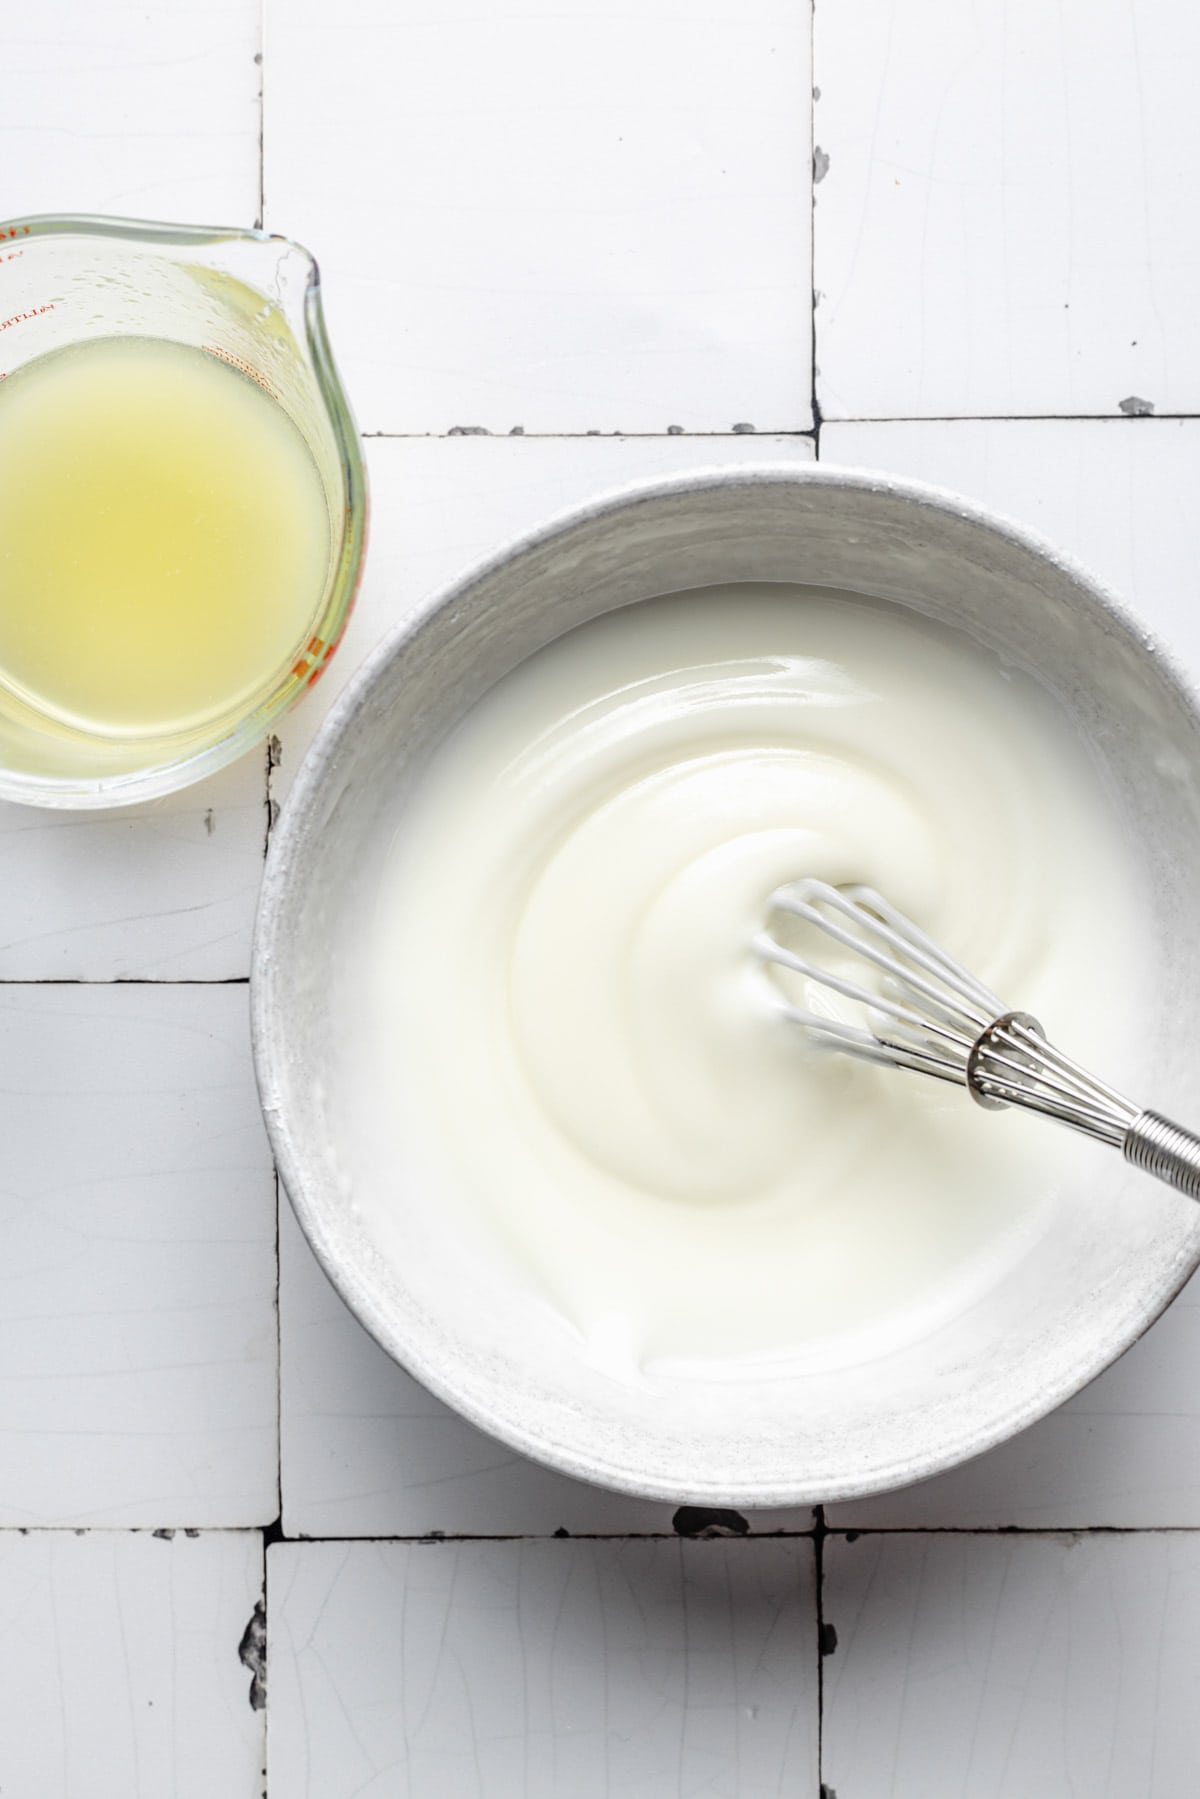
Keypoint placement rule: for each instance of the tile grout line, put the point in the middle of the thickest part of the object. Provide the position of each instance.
(259, 1640)
(438, 1539)
(819, 1528)
(791, 431)
(274, 1537)
(523, 436)
(1011, 418)
(850, 1533)
(274, 1531)
(813, 90)
(124, 980)
(165, 1532)
(820, 1533)
(260, 61)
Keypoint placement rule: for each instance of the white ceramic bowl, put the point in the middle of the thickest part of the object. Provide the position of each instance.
(1111, 1260)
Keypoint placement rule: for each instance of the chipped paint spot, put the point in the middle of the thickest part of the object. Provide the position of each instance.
(252, 1653)
(674, 430)
(165, 1536)
(210, 823)
(468, 431)
(709, 1521)
(274, 752)
(742, 429)
(820, 164)
(828, 1639)
(517, 431)
(1135, 408)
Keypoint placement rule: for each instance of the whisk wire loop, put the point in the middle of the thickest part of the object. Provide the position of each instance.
(930, 1015)
(905, 947)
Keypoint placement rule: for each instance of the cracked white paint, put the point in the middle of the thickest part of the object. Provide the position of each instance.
(163, 891)
(1017, 1667)
(593, 219)
(119, 1676)
(543, 1670)
(1012, 224)
(150, 113)
(137, 1209)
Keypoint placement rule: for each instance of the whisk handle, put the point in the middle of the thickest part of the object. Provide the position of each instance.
(1165, 1150)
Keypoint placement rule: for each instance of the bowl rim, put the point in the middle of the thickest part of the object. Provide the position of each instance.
(286, 850)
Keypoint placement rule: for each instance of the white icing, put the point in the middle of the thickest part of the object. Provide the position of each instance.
(567, 1033)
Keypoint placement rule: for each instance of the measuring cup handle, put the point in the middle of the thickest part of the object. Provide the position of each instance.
(1165, 1150)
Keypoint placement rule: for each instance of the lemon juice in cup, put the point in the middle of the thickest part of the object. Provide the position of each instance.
(181, 503)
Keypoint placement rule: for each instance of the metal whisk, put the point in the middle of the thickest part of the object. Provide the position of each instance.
(929, 1014)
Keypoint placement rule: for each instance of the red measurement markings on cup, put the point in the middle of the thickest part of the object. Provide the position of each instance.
(246, 368)
(11, 255)
(19, 318)
(32, 312)
(312, 659)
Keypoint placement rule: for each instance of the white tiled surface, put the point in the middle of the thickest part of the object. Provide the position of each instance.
(1119, 495)
(562, 217)
(163, 891)
(1012, 1667)
(571, 221)
(137, 1287)
(119, 1669)
(149, 111)
(543, 1669)
(1125, 1452)
(1009, 222)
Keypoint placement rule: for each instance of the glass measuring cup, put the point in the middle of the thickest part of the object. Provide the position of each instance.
(253, 301)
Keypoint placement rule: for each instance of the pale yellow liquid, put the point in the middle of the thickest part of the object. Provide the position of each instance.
(164, 539)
